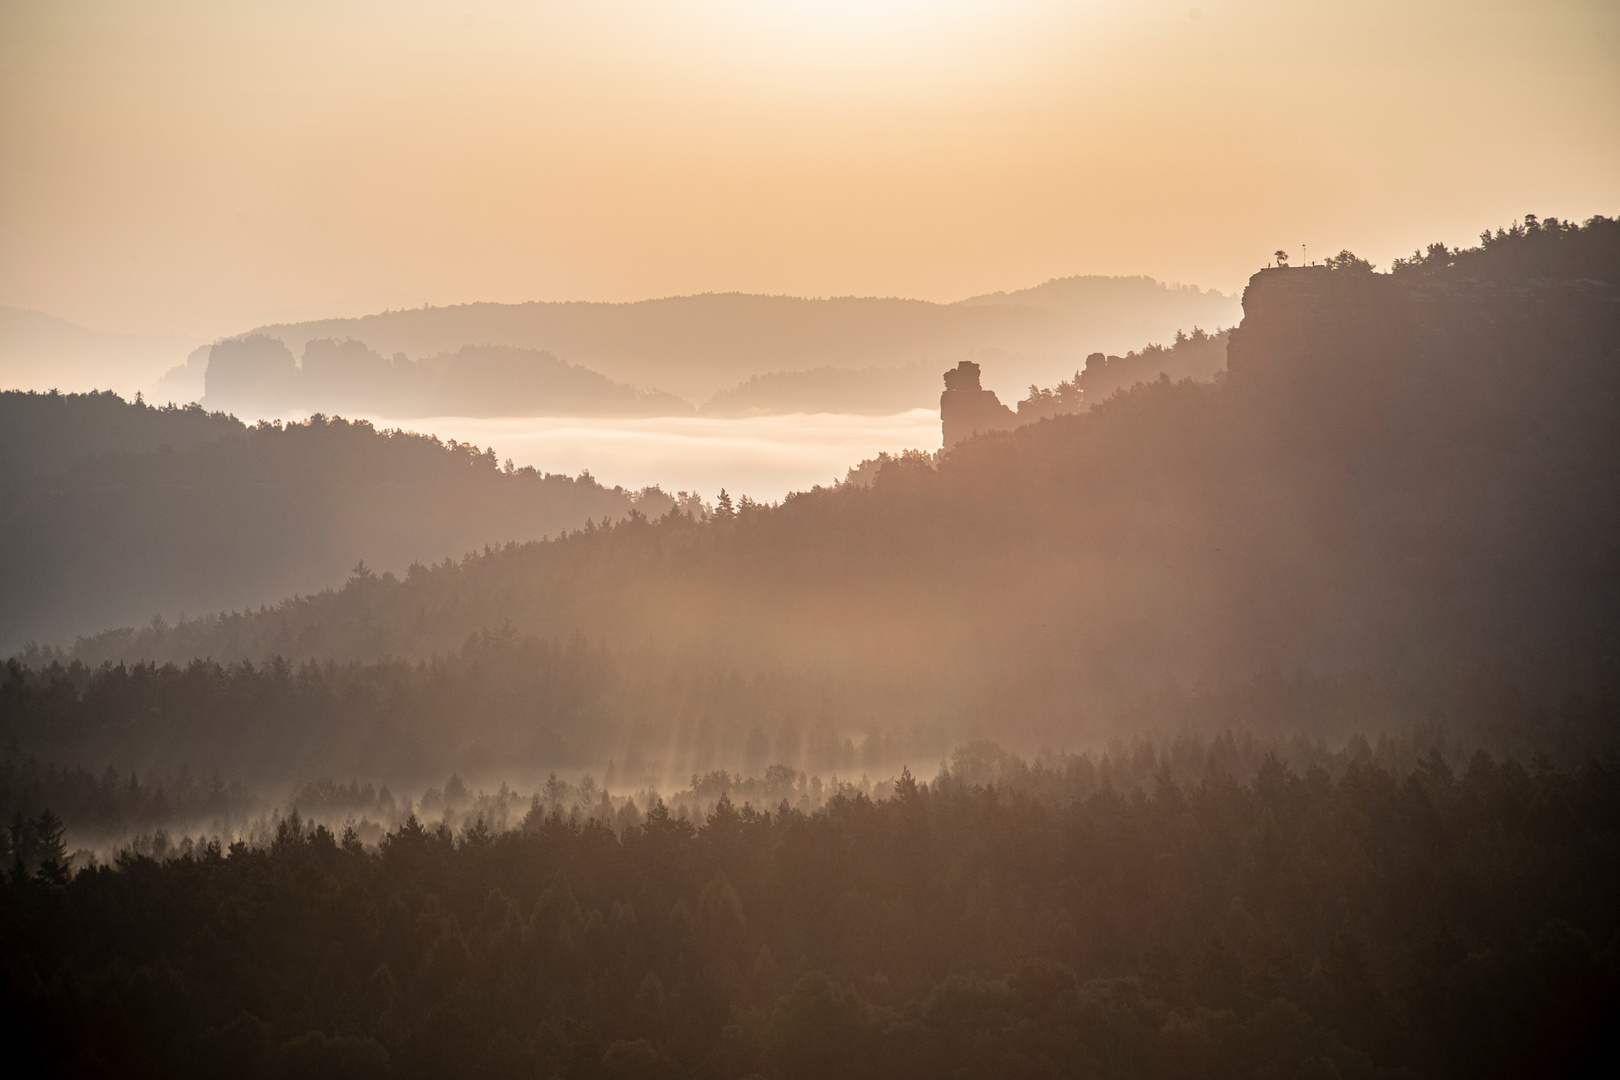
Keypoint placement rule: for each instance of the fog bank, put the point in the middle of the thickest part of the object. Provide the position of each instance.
(763, 457)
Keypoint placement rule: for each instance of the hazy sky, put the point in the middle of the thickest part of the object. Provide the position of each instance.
(194, 167)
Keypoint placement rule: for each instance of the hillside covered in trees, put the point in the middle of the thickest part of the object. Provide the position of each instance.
(116, 511)
(1357, 919)
(41, 434)
(1347, 508)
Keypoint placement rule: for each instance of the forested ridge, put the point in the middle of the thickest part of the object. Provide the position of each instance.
(695, 346)
(1350, 503)
(42, 434)
(117, 511)
(256, 371)
(1376, 922)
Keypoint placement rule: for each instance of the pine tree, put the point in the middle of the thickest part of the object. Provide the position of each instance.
(23, 847)
(51, 850)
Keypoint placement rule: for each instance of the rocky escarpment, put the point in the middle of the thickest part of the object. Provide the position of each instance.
(966, 409)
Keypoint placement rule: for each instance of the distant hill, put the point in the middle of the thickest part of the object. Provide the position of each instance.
(257, 372)
(696, 346)
(1199, 356)
(42, 434)
(1098, 295)
(39, 352)
(875, 391)
(113, 511)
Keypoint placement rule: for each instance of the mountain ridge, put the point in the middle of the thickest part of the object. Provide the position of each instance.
(697, 345)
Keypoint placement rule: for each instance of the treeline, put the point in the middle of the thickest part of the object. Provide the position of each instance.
(1550, 250)
(507, 707)
(1199, 356)
(967, 409)
(497, 704)
(1443, 920)
(103, 527)
(41, 434)
(258, 372)
(109, 807)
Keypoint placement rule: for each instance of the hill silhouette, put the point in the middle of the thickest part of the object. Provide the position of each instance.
(696, 346)
(41, 351)
(40, 434)
(116, 510)
(258, 372)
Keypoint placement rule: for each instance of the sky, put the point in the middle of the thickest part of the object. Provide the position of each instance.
(195, 168)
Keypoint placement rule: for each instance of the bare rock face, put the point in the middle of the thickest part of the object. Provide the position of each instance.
(248, 372)
(967, 409)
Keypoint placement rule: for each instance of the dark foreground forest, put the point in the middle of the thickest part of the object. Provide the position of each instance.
(1380, 922)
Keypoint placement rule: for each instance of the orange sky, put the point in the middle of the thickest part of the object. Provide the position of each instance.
(194, 167)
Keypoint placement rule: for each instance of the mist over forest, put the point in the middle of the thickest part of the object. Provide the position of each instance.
(810, 540)
(1237, 702)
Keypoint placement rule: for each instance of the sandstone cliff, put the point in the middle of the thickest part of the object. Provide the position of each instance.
(967, 409)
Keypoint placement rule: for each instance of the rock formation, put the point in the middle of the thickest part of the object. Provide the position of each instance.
(967, 409)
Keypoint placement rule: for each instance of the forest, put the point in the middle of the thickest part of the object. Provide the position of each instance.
(1276, 718)
(114, 511)
(1032, 920)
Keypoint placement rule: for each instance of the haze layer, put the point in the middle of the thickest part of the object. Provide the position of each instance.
(195, 168)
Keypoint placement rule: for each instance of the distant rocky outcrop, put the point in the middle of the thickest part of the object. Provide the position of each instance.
(253, 372)
(257, 373)
(1198, 356)
(967, 409)
(698, 346)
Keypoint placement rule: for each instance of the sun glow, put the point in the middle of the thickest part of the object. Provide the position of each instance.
(174, 167)
(967, 34)
(855, 15)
